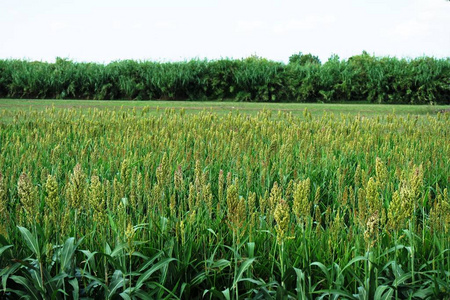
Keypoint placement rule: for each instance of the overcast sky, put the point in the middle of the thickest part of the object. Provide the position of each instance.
(171, 30)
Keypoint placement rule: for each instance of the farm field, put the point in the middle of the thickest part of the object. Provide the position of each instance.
(223, 200)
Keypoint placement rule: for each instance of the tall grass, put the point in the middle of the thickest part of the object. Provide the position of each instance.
(362, 77)
(110, 204)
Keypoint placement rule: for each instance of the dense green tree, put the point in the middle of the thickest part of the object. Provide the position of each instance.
(304, 59)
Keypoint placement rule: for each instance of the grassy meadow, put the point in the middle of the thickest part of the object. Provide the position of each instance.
(222, 107)
(223, 200)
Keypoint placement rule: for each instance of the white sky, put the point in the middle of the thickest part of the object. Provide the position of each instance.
(172, 30)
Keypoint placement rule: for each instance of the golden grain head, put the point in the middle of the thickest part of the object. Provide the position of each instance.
(282, 219)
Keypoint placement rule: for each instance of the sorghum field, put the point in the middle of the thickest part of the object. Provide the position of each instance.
(112, 204)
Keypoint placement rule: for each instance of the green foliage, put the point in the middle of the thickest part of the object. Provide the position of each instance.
(304, 59)
(423, 80)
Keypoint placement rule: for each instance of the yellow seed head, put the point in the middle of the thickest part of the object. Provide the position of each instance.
(125, 175)
(352, 199)
(232, 201)
(263, 202)
(251, 203)
(281, 215)
(28, 196)
(97, 200)
(133, 190)
(344, 203)
(221, 186)
(207, 197)
(372, 228)
(373, 199)
(317, 196)
(401, 209)
(241, 213)
(173, 206)
(381, 173)
(117, 194)
(362, 207)
(191, 197)
(178, 180)
(289, 190)
(197, 175)
(416, 182)
(229, 180)
(192, 217)
(156, 200)
(275, 197)
(140, 190)
(163, 171)
(129, 234)
(357, 176)
(236, 211)
(76, 190)
(301, 205)
(52, 199)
